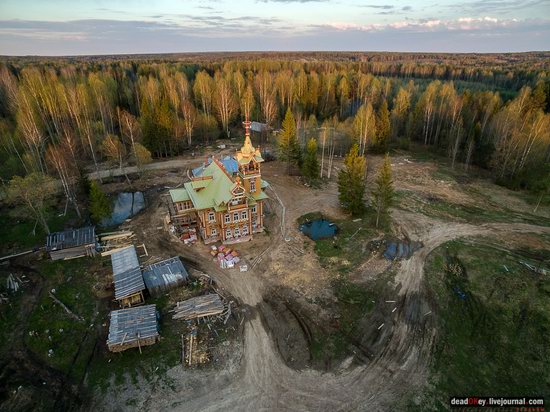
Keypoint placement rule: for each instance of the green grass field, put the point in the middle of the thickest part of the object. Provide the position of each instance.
(494, 324)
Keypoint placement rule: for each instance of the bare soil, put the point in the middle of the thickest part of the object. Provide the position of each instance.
(289, 296)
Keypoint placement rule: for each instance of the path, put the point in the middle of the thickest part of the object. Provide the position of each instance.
(265, 382)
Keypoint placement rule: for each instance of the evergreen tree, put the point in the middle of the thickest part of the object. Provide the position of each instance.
(351, 182)
(289, 148)
(383, 193)
(100, 206)
(382, 129)
(310, 167)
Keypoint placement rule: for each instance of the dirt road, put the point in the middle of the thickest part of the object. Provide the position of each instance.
(261, 379)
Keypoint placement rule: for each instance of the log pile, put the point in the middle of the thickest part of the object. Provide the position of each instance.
(199, 307)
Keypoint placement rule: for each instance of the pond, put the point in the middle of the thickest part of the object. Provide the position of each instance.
(126, 205)
(319, 229)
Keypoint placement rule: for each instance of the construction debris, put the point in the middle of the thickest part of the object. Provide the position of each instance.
(199, 307)
(111, 242)
(133, 327)
(540, 270)
(226, 257)
(65, 308)
(12, 284)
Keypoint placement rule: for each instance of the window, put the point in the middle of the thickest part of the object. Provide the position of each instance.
(237, 232)
(214, 231)
(253, 185)
(228, 234)
(253, 209)
(235, 216)
(211, 217)
(244, 214)
(227, 218)
(245, 230)
(187, 205)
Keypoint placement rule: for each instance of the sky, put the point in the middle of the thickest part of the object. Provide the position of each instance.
(84, 27)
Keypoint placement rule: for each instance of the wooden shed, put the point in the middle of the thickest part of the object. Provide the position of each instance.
(133, 327)
(127, 277)
(72, 243)
(164, 275)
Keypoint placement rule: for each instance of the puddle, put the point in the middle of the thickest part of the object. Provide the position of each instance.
(126, 205)
(319, 229)
(401, 249)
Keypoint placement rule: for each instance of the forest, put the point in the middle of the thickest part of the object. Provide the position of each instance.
(61, 116)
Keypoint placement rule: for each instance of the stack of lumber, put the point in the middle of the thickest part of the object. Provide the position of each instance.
(199, 307)
(114, 241)
(134, 327)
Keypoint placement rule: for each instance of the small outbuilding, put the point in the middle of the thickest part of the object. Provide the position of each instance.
(72, 243)
(133, 327)
(127, 277)
(164, 275)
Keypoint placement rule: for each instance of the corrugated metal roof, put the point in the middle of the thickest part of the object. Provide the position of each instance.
(126, 272)
(124, 260)
(165, 274)
(127, 323)
(70, 238)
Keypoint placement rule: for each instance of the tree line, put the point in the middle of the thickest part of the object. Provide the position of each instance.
(57, 116)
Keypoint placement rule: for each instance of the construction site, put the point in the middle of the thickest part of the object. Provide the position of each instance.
(156, 315)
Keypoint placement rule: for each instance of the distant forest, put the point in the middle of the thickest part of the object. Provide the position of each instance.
(489, 110)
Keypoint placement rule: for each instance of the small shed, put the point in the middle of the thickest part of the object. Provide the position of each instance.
(127, 277)
(72, 243)
(258, 127)
(164, 275)
(133, 327)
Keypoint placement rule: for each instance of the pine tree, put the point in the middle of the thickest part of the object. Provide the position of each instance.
(310, 168)
(100, 206)
(289, 148)
(382, 129)
(383, 193)
(351, 182)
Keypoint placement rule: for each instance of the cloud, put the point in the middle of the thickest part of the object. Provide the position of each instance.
(378, 6)
(496, 6)
(188, 33)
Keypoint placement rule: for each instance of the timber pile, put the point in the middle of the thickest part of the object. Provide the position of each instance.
(133, 327)
(199, 307)
(114, 241)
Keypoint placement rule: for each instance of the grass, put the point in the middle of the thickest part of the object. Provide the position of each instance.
(346, 250)
(17, 234)
(466, 213)
(341, 255)
(493, 341)
(156, 359)
(51, 328)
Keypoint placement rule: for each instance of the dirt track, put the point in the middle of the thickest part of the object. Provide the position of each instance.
(263, 381)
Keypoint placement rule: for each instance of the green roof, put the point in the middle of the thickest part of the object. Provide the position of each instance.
(259, 196)
(264, 184)
(179, 195)
(215, 193)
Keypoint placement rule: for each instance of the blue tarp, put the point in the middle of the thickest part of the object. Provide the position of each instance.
(319, 229)
(401, 249)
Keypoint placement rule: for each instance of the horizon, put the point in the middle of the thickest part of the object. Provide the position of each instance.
(123, 27)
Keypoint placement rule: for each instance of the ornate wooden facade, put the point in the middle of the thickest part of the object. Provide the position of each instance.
(223, 205)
